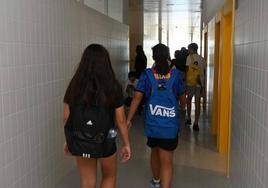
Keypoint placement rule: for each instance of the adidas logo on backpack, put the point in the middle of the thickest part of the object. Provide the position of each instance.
(89, 122)
(86, 129)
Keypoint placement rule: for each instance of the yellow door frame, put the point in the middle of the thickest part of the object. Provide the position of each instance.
(206, 60)
(233, 5)
(223, 70)
(215, 109)
(225, 83)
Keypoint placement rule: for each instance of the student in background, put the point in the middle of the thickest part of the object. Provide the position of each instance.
(195, 79)
(130, 88)
(140, 61)
(179, 62)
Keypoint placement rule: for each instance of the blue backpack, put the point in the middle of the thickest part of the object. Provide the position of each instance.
(161, 109)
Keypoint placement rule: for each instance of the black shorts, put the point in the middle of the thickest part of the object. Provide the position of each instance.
(110, 149)
(166, 144)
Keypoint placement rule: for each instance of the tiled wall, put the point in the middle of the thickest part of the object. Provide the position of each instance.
(249, 150)
(114, 8)
(99, 5)
(40, 44)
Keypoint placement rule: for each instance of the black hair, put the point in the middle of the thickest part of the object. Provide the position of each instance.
(193, 46)
(161, 57)
(177, 53)
(131, 74)
(183, 49)
(139, 49)
(94, 80)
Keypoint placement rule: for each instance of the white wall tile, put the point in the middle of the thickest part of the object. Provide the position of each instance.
(249, 130)
(40, 45)
(1, 139)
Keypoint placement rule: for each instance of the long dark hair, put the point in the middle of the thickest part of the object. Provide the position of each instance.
(139, 49)
(94, 80)
(161, 56)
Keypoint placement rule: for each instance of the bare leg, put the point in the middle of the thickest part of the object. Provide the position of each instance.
(189, 106)
(197, 109)
(155, 163)
(108, 166)
(88, 172)
(182, 103)
(166, 161)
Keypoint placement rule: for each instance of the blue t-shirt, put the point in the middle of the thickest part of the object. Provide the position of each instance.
(144, 85)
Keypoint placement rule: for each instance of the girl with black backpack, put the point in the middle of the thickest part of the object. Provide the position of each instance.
(91, 103)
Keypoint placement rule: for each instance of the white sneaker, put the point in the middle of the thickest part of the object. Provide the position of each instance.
(155, 184)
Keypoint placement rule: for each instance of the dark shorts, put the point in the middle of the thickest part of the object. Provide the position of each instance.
(110, 149)
(128, 101)
(193, 91)
(92, 150)
(166, 144)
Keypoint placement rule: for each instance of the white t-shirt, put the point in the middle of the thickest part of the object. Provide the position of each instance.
(201, 65)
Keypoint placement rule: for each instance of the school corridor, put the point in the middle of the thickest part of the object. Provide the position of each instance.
(197, 162)
(41, 43)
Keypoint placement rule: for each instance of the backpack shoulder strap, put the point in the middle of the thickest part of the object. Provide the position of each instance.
(192, 58)
(173, 75)
(152, 79)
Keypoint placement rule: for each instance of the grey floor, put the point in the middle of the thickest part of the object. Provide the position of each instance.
(197, 164)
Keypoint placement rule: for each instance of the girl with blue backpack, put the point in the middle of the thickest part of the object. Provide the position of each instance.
(162, 87)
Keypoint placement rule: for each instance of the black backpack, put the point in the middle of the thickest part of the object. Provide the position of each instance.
(90, 131)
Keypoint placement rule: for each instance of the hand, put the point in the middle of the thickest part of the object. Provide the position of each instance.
(129, 124)
(66, 150)
(125, 153)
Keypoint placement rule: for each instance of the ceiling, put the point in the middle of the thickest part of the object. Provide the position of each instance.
(172, 5)
(178, 20)
(210, 8)
(177, 13)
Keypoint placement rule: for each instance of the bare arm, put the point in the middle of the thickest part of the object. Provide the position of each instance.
(122, 126)
(182, 99)
(66, 113)
(134, 105)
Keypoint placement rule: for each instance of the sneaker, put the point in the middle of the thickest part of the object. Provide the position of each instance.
(196, 127)
(155, 184)
(188, 122)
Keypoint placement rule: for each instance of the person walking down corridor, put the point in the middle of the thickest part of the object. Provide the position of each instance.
(161, 86)
(130, 88)
(195, 79)
(140, 61)
(92, 100)
(179, 62)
